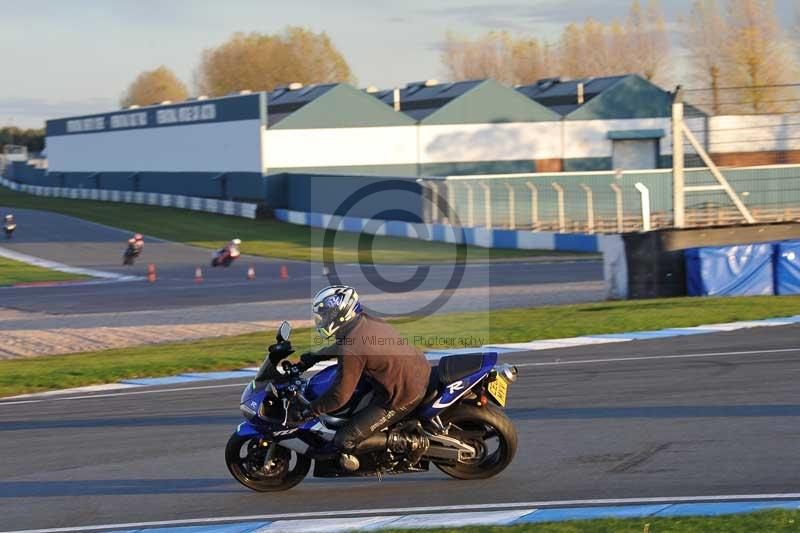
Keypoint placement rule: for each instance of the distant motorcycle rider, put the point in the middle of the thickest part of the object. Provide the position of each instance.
(226, 255)
(135, 245)
(364, 346)
(233, 248)
(137, 242)
(9, 225)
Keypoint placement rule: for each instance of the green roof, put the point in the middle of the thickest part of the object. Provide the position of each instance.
(343, 106)
(631, 97)
(490, 102)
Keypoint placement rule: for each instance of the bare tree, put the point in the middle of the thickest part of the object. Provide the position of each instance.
(531, 61)
(595, 47)
(589, 49)
(571, 52)
(759, 54)
(706, 35)
(648, 43)
(487, 56)
(153, 87)
(261, 62)
(618, 50)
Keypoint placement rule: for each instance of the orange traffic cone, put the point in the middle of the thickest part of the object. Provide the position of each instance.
(151, 272)
(198, 275)
(284, 272)
(251, 272)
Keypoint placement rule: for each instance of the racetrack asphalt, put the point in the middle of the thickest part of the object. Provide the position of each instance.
(77, 242)
(225, 296)
(705, 415)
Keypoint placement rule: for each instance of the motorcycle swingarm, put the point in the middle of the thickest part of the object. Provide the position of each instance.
(330, 469)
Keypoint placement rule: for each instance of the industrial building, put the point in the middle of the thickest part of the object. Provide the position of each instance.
(249, 145)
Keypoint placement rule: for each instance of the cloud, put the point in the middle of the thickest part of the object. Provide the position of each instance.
(525, 16)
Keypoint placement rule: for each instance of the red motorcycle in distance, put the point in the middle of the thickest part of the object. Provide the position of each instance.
(135, 246)
(227, 255)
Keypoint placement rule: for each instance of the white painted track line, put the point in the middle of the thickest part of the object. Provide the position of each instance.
(430, 509)
(656, 357)
(542, 363)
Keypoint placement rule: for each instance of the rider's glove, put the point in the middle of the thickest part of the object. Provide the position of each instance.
(279, 351)
(307, 360)
(299, 413)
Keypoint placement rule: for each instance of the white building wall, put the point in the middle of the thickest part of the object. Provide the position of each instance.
(374, 146)
(754, 133)
(489, 142)
(211, 147)
(589, 138)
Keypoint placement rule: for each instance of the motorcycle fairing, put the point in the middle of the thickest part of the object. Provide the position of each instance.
(246, 429)
(322, 381)
(313, 437)
(452, 392)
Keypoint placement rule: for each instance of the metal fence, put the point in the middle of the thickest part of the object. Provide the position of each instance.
(609, 202)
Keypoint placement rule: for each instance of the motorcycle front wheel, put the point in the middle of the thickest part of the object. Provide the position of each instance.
(245, 456)
(489, 431)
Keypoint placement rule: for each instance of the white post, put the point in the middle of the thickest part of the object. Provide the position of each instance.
(723, 183)
(487, 204)
(618, 196)
(589, 208)
(645, 192)
(434, 194)
(678, 194)
(562, 224)
(451, 203)
(534, 205)
(470, 205)
(512, 223)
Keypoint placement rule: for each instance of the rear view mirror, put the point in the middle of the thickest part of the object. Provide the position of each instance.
(284, 331)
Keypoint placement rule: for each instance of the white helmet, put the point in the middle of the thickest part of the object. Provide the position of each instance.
(9, 217)
(236, 242)
(335, 307)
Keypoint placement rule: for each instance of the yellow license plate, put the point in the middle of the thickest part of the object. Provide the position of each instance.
(498, 389)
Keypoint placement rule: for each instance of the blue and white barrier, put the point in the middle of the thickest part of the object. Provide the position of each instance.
(478, 236)
(208, 205)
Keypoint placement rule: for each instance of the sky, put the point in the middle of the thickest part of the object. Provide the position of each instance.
(70, 57)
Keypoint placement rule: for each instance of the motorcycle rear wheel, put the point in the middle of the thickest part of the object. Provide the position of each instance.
(249, 472)
(481, 427)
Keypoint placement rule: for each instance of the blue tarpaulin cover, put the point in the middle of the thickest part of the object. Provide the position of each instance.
(741, 270)
(787, 267)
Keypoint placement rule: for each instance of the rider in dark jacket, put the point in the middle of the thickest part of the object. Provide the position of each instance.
(365, 346)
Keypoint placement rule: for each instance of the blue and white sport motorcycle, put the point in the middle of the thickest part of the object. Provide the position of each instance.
(460, 426)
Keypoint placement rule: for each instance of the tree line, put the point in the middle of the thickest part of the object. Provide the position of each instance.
(32, 138)
(254, 61)
(735, 49)
(727, 44)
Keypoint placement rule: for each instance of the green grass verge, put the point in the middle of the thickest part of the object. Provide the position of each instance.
(763, 521)
(268, 238)
(13, 272)
(18, 376)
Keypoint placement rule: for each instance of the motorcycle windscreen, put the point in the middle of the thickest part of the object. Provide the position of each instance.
(261, 375)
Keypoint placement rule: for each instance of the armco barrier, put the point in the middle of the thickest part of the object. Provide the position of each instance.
(484, 237)
(208, 205)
